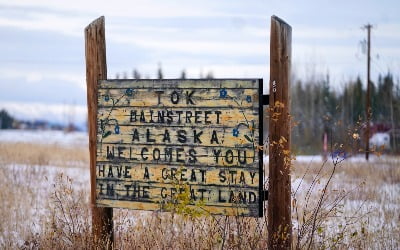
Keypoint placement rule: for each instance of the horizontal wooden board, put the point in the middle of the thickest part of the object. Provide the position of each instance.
(179, 83)
(183, 97)
(180, 136)
(192, 175)
(195, 116)
(158, 138)
(148, 192)
(178, 155)
(243, 210)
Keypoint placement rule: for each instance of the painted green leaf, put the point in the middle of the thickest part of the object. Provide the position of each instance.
(248, 138)
(107, 134)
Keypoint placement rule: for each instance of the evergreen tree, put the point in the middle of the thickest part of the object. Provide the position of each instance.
(358, 101)
(159, 72)
(210, 75)
(6, 121)
(136, 74)
(183, 74)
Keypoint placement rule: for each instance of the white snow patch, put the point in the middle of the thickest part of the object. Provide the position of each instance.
(45, 137)
(360, 158)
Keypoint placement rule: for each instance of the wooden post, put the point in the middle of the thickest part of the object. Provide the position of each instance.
(279, 198)
(96, 69)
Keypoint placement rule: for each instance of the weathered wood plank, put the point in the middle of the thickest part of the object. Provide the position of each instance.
(179, 136)
(150, 193)
(158, 192)
(178, 155)
(178, 84)
(228, 117)
(228, 210)
(192, 175)
(169, 98)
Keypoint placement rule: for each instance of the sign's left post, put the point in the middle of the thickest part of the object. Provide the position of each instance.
(96, 69)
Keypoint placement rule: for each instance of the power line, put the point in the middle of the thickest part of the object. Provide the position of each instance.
(368, 108)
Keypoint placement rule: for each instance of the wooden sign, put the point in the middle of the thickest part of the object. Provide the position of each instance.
(161, 143)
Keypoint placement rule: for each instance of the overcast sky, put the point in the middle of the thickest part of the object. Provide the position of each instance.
(42, 60)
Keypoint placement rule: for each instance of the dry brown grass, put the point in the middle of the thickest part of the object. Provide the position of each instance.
(43, 154)
(44, 210)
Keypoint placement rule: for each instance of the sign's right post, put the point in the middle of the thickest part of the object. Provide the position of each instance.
(279, 197)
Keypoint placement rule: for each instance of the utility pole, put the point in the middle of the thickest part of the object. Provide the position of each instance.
(368, 105)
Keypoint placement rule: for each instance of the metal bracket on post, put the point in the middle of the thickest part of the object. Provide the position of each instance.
(265, 100)
(264, 195)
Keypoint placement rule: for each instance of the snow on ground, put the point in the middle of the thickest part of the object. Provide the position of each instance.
(32, 195)
(44, 137)
(360, 158)
(45, 176)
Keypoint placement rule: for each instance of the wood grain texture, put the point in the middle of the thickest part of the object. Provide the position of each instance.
(178, 84)
(175, 134)
(279, 199)
(96, 69)
(195, 135)
(177, 155)
(159, 173)
(200, 97)
(228, 118)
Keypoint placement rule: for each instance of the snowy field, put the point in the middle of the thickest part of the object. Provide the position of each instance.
(44, 137)
(362, 200)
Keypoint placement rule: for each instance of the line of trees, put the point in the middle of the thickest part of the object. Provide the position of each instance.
(342, 115)
(160, 74)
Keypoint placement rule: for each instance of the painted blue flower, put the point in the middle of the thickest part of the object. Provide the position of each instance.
(235, 132)
(339, 154)
(106, 98)
(248, 99)
(116, 129)
(129, 92)
(223, 93)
